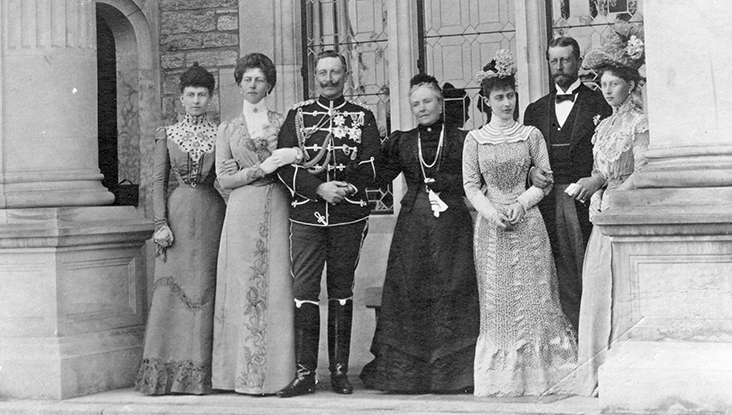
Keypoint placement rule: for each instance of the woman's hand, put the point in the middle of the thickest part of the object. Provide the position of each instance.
(280, 157)
(499, 220)
(163, 238)
(231, 166)
(285, 156)
(516, 213)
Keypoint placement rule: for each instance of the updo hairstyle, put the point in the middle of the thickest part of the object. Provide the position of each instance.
(256, 60)
(196, 76)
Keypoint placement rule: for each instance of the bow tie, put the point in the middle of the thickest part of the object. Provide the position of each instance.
(565, 97)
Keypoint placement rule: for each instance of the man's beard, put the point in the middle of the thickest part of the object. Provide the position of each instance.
(564, 79)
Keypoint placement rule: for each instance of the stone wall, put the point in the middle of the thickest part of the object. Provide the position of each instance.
(203, 31)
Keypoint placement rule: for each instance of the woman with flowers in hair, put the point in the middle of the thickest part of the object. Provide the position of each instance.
(428, 323)
(620, 143)
(526, 344)
(188, 220)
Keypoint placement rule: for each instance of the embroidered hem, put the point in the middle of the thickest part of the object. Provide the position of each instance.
(156, 377)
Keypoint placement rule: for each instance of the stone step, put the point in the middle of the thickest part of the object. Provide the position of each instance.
(127, 401)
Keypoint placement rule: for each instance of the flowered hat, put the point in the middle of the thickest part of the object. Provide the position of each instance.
(623, 47)
(501, 66)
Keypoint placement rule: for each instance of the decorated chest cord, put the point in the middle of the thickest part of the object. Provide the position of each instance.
(437, 159)
(303, 136)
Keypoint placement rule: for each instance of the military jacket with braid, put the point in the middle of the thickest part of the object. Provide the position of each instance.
(340, 141)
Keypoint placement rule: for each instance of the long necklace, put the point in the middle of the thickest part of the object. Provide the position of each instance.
(422, 163)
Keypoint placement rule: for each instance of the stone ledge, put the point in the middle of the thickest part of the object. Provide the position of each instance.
(667, 377)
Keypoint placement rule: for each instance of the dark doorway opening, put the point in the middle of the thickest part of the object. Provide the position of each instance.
(107, 103)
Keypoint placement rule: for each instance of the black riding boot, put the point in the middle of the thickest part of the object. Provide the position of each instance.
(339, 344)
(307, 336)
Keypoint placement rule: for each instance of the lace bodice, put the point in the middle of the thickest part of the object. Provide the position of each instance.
(620, 143)
(500, 159)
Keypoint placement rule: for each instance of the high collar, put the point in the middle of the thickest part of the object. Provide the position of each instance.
(434, 128)
(498, 124)
(325, 102)
(571, 90)
(195, 119)
(258, 108)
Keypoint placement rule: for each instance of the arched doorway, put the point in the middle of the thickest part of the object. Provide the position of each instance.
(107, 103)
(128, 96)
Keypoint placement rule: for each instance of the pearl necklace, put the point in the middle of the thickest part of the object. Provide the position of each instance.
(422, 163)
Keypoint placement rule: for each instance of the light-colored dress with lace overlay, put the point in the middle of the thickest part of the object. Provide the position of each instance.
(620, 144)
(253, 350)
(526, 344)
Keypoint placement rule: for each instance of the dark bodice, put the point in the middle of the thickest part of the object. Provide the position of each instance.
(401, 154)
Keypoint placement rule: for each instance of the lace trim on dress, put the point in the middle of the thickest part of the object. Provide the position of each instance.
(614, 135)
(194, 306)
(156, 377)
(195, 135)
(489, 134)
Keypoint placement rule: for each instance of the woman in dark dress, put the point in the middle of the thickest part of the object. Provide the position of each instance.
(428, 324)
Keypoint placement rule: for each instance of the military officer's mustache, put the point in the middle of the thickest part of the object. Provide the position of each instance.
(327, 84)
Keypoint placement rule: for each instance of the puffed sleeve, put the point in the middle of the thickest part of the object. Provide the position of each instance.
(389, 164)
(362, 171)
(245, 175)
(161, 173)
(295, 177)
(641, 141)
(539, 158)
(472, 179)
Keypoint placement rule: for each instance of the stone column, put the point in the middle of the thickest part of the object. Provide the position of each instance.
(50, 119)
(72, 297)
(531, 44)
(672, 237)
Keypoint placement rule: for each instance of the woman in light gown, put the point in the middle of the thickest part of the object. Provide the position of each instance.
(526, 345)
(253, 350)
(620, 143)
(178, 338)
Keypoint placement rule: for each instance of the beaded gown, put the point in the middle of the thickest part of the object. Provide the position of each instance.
(428, 323)
(178, 338)
(526, 344)
(620, 144)
(253, 350)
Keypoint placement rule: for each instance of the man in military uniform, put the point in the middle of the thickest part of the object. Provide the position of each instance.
(339, 142)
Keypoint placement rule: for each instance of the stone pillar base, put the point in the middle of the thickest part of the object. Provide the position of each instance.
(69, 366)
(671, 308)
(667, 377)
(72, 303)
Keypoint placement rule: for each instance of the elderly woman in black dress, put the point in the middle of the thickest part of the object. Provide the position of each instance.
(428, 325)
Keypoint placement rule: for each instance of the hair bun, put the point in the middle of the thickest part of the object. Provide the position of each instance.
(195, 63)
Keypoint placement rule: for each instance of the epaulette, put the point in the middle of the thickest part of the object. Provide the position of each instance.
(303, 103)
(359, 104)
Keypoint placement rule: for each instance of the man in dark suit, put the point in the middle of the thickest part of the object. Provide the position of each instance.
(339, 142)
(567, 118)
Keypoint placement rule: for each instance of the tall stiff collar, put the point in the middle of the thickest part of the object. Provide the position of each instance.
(194, 119)
(336, 103)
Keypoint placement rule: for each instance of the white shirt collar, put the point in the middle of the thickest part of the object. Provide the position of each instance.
(571, 88)
(259, 107)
